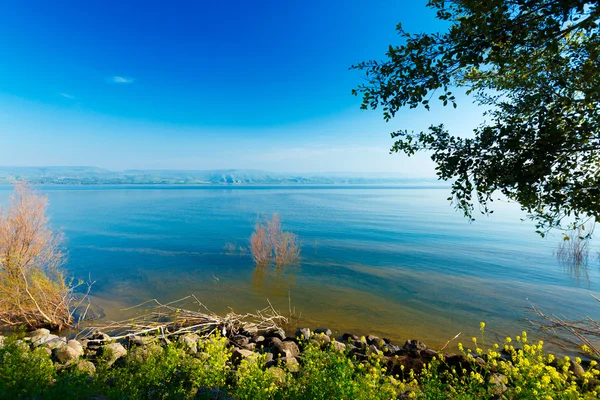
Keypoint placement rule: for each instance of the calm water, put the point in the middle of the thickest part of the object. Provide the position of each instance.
(399, 262)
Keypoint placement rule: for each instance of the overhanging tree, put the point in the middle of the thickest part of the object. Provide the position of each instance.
(535, 65)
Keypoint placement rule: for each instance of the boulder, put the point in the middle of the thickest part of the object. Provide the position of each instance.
(237, 355)
(413, 347)
(303, 333)
(401, 365)
(250, 329)
(240, 340)
(250, 346)
(277, 373)
(56, 343)
(277, 333)
(258, 339)
(346, 337)
(322, 339)
(86, 366)
(497, 384)
(390, 349)
(325, 331)
(113, 351)
(190, 342)
(577, 369)
(142, 340)
(291, 364)
(286, 349)
(66, 354)
(338, 346)
(42, 337)
(375, 341)
(372, 349)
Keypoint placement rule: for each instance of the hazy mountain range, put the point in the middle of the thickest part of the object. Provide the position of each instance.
(101, 176)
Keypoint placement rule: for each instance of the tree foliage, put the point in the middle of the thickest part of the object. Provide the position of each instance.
(535, 65)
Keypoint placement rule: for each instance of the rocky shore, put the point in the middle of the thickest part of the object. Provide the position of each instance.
(281, 352)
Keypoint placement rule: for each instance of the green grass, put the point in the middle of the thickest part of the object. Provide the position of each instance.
(169, 372)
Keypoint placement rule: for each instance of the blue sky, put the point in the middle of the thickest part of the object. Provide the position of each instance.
(203, 85)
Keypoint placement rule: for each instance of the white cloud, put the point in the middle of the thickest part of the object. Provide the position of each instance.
(67, 96)
(121, 79)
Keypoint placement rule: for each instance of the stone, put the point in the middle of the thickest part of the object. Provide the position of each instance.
(42, 338)
(1, 340)
(346, 337)
(291, 364)
(269, 358)
(190, 342)
(457, 361)
(237, 355)
(497, 384)
(240, 340)
(142, 340)
(577, 369)
(338, 346)
(372, 349)
(286, 349)
(322, 339)
(401, 365)
(250, 328)
(114, 352)
(303, 333)
(390, 349)
(278, 373)
(278, 333)
(38, 333)
(428, 354)
(258, 339)
(413, 347)
(55, 342)
(250, 346)
(86, 366)
(68, 353)
(325, 331)
(375, 341)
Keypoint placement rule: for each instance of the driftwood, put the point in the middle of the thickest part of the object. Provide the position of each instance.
(584, 331)
(173, 319)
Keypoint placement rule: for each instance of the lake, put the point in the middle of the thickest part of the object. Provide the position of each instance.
(394, 261)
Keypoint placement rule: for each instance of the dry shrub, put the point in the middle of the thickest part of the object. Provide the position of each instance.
(574, 250)
(33, 289)
(270, 243)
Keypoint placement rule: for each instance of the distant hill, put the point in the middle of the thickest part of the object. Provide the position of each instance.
(100, 176)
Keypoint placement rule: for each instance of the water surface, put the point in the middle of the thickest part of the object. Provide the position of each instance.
(395, 261)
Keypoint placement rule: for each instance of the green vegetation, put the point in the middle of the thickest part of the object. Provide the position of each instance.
(171, 372)
(535, 66)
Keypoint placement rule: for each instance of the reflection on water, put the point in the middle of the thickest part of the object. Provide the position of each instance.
(395, 262)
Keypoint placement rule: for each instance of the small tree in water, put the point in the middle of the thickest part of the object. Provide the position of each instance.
(33, 289)
(270, 243)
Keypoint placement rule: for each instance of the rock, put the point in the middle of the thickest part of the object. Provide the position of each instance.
(237, 355)
(66, 354)
(114, 351)
(278, 373)
(497, 384)
(291, 364)
(250, 328)
(74, 344)
(258, 339)
(277, 333)
(55, 343)
(303, 333)
(338, 346)
(86, 366)
(250, 346)
(42, 338)
(375, 341)
(372, 349)
(390, 349)
(142, 340)
(142, 353)
(190, 342)
(346, 337)
(428, 354)
(286, 349)
(240, 340)
(1, 340)
(413, 347)
(395, 365)
(269, 358)
(325, 331)
(457, 361)
(322, 339)
(38, 333)
(577, 369)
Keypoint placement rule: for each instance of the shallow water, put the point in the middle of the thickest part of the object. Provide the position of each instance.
(398, 262)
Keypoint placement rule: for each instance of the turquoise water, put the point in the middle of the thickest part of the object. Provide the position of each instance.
(399, 262)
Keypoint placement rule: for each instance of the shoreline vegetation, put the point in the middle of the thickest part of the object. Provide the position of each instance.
(241, 361)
